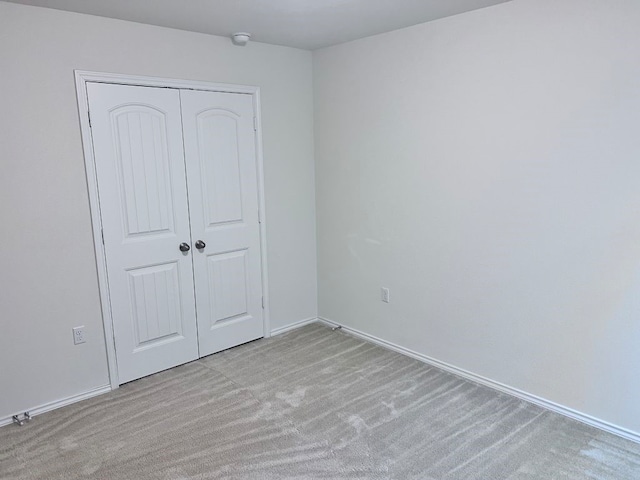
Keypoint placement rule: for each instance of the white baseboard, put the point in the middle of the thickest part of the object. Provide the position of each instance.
(107, 388)
(541, 402)
(293, 326)
(547, 404)
(47, 407)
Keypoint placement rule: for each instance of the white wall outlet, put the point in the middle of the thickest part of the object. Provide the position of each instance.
(384, 294)
(78, 335)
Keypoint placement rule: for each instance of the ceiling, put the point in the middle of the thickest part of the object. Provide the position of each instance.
(308, 24)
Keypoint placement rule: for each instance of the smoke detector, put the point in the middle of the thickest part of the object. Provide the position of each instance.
(241, 38)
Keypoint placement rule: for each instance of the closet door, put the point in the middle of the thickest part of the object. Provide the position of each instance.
(219, 142)
(138, 149)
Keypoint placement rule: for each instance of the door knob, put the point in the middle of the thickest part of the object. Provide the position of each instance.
(200, 244)
(184, 247)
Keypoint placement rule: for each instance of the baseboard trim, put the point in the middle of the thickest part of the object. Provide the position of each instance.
(107, 388)
(541, 402)
(293, 326)
(47, 407)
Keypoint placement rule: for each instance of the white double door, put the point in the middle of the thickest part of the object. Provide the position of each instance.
(178, 190)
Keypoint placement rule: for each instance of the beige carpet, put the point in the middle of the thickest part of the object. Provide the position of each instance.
(311, 404)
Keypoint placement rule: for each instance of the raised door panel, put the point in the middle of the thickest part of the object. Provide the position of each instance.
(228, 283)
(220, 166)
(143, 170)
(156, 313)
(223, 199)
(138, 149)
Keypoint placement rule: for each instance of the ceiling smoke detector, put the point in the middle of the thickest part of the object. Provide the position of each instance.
(241, 38)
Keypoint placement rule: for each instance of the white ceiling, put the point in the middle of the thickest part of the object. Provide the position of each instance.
(308, 24)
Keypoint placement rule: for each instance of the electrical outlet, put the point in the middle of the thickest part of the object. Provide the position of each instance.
(78, 335)
(384, 294)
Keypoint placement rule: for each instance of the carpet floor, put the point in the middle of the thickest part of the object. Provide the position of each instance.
(310, 404)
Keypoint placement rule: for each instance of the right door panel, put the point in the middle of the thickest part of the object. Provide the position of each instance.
(220, 154)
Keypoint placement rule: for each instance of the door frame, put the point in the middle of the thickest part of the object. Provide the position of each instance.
(83, 77)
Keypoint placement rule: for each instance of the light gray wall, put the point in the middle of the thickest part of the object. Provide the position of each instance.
(486, 168)
(48, 279)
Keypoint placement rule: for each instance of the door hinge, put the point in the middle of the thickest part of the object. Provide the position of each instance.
(263, 303)
(255, 124)
(89, 115)
(259, 216)
(102, 235)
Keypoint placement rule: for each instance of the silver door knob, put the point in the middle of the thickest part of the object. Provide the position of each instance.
(200, 244)
(184, 247)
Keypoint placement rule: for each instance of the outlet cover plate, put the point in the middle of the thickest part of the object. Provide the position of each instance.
(384, 294)
(78, 335)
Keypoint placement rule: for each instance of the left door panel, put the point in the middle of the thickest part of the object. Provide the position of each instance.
(139, 155)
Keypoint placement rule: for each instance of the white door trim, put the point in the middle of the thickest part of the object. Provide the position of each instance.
(82, 78)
